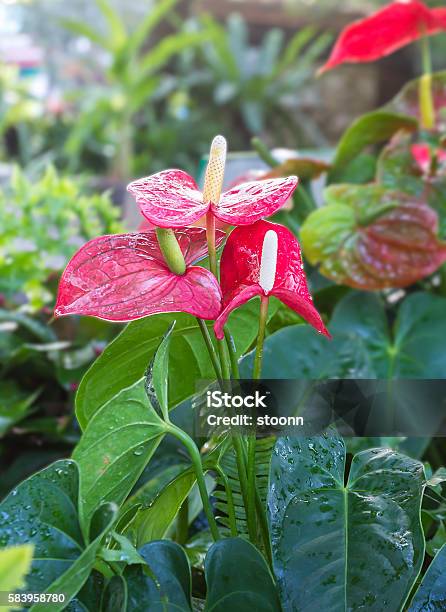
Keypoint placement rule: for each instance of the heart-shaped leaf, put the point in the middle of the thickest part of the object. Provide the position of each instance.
(364, 345)
(117, 444)
(128, 355)
(372, 238)
(238, 578)
(344, 547)
(431, 594)
(164, 584)
(42, 511)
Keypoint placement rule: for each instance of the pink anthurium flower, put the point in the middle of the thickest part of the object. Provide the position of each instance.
(423, 154)
(386, 31)
(171, 198)
(264, 259)
(124, 277)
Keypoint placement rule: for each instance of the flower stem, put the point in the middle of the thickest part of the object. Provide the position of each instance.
(232, 354)
(171, 250)
(257, 370)
(427, 109)
(195, 457)
(210, 347)
(230, 499)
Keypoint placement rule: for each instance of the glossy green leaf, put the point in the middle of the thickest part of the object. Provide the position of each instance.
(15, 563)
(369, 129)
(128, 355)
(152, 522)
(42, 511)
(157, 378)
(344, 547)
(117, 444)
(431, 594)
(364, 345)
(238, 578)
(165, 584)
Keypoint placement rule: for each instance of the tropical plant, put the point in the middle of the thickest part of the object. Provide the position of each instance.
(131, 81)
(260, 87)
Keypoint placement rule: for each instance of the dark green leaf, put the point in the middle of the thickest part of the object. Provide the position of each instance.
(363, 344)
(165, 584)
(344, 547)
(42, 511)
(238, 578)
(431, 594)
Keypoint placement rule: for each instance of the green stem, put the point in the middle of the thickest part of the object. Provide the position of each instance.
(426, 57)
(427, 109)
(230, 500)
(171, 250)
(263, 152)
(195, 456)
(261, 514)
(257, 370)
(232, 355)
(210, 347)
(251, 510)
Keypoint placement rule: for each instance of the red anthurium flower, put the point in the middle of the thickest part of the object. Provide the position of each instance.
(423, 156)
(172, 199)
(124, 277)
(264, 259)
(386, 31)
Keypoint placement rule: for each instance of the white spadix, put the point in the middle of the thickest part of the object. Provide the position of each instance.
(268, 262)
(213, 180)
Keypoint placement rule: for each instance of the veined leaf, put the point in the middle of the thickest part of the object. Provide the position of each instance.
(128, 355)
(431, 594)
(117, 444)
(42, 512)
(344, 547)
(371, 237)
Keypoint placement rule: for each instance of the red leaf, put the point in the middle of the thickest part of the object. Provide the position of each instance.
(386, 31)
(240, 273)
(169, 199)
(123, 277)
